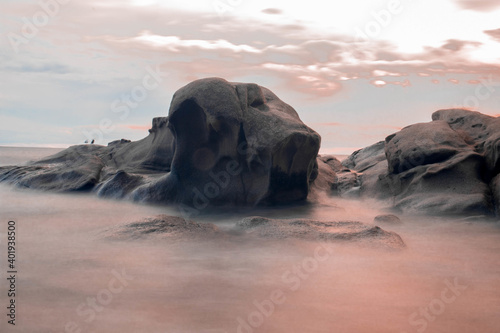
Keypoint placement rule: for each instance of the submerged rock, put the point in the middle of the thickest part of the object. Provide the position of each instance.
(319, 231)
(174, 228)
(222, 144)
(162, 226)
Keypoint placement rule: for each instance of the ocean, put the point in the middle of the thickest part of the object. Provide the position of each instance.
(70, 278)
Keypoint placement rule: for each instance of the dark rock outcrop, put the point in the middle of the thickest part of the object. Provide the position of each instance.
(235, 144)
(222, 144)
(346, 183)
(447, 166)
(111, 171)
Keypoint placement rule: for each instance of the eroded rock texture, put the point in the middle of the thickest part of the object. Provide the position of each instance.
(174, 228)
(447, 166)
(222, 144)
(332, 231)
(162, 226)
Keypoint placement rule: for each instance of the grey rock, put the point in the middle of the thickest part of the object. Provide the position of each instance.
(335, 178)
(495, 187)
(162, 226)
(333, 163)
(364, 159)
(446, 166)
(235, 144)
(324, 181)
(74, 169)
(423, 144)
(312, 230)
(222, 144)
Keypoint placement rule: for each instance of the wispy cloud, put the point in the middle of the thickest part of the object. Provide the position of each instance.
(479, 5)
(93, 52)
(495, 34)
(272, 11)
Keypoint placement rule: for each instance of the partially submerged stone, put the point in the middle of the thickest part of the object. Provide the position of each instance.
(162, 226)
(331, 231)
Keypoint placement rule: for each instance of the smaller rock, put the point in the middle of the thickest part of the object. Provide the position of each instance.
(163, 226)
(333, 162)
(387, 218)
(326, 231)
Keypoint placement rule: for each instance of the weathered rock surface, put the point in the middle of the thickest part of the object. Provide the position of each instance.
(111, 171)
(346, 182)
(174, 228)
(319, 231)
(447, 166)
(162, 226)
(222, 144)
(235, 144)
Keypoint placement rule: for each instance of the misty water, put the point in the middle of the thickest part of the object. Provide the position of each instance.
(447, 279)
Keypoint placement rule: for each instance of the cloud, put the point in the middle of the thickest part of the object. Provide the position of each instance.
(457, 45)
(479, 5)
(304, 61)
(72, 72)
(495, 34)
(272, 11)
(312, 67)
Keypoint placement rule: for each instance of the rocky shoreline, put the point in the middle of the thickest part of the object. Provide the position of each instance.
(238, 144)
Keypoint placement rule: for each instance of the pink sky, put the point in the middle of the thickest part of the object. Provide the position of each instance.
(355, 71)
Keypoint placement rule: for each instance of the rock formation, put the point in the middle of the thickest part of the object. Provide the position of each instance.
(174, 228)
(162, 226)
(306, 229)
(238, 144)
(221, 144)
(448, 166)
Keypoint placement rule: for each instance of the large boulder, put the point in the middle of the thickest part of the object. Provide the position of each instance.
(222, 143)
(447, 166)
(235, 143)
